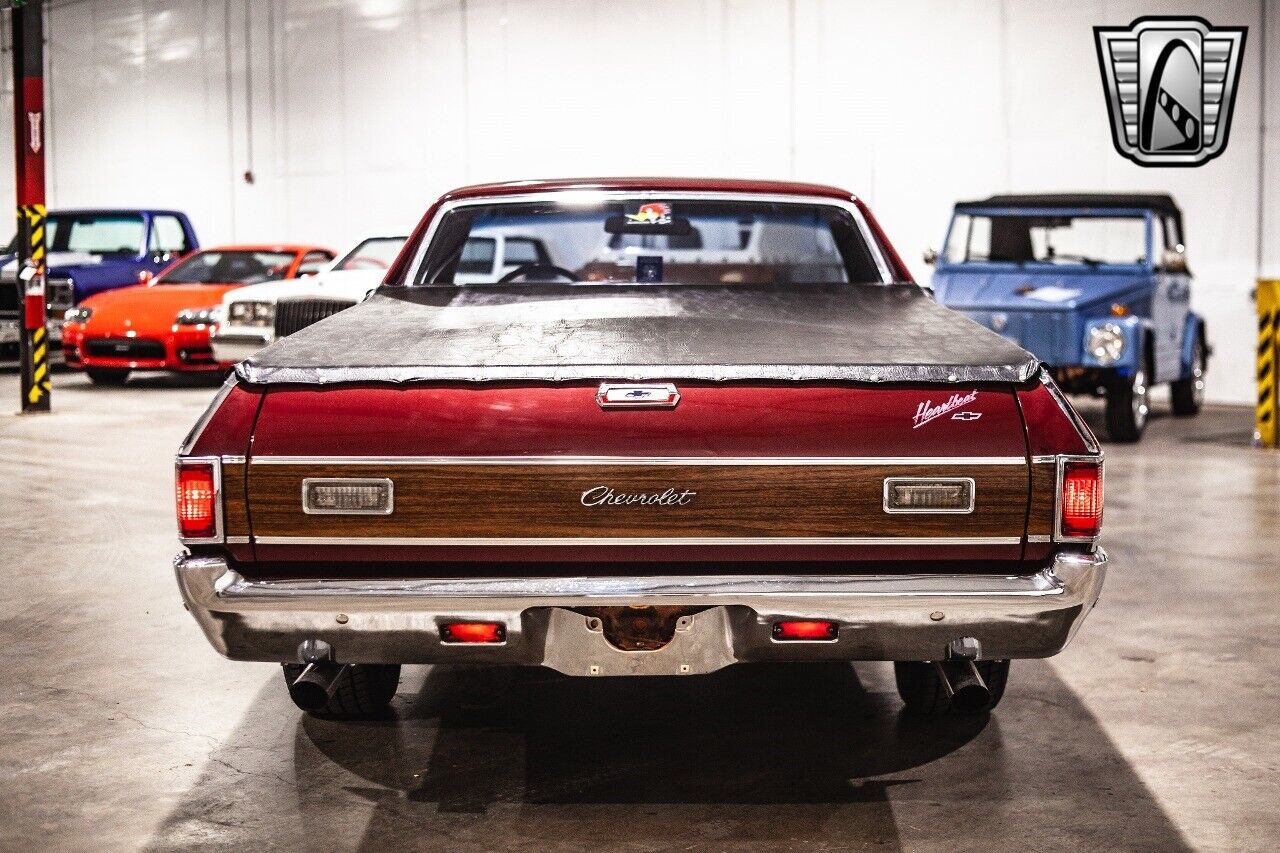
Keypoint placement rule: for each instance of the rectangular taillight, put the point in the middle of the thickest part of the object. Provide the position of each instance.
(925, 495)
(348, 496)
(1080, 499)
(197, 499)
(806, 629)
(473, 632)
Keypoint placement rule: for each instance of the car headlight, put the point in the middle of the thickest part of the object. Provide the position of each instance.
(198, 316)
(250, 313)
(77, 315)
(1105, 343)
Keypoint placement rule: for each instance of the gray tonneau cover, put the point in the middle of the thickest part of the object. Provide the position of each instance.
(862, 333)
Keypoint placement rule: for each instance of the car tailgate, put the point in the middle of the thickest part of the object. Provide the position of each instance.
(541, 473)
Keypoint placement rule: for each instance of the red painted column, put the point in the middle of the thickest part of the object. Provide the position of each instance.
(29, 130)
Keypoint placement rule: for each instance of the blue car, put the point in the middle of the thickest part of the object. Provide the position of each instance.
(1095, 285)
(89, 251)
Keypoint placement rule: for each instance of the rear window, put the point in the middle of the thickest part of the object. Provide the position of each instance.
(230, 268)
(648, 241)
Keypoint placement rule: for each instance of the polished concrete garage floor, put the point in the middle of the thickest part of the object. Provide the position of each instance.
(1159, 729)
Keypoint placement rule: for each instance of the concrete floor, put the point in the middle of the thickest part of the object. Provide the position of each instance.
(120, 729)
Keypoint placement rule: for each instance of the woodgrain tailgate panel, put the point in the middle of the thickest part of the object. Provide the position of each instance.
(731, 500)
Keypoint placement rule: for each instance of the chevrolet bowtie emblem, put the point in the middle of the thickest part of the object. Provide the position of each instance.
(1171, 86)
(966, 416)
(637, 396)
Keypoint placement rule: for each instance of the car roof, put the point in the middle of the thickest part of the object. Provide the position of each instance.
(1162, 202)
(264, 247)
(658, 184)
(77, 211)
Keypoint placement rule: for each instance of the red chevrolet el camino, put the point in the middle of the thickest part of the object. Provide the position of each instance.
(707, 422)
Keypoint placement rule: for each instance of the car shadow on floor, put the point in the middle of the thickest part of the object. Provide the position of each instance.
(755, 756)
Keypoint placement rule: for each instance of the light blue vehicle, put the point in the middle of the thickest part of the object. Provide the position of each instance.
(1095, 285)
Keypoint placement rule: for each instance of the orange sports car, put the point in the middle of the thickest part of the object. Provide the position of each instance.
(164, 322)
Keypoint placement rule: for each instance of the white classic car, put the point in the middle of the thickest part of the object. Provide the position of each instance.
(249, 314)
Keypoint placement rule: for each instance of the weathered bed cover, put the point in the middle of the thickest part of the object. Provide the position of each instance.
(862, 333)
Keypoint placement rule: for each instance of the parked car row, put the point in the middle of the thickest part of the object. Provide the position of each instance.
(131, 289)
(1095, 285)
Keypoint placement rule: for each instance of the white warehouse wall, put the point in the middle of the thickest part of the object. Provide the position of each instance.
(354, 114)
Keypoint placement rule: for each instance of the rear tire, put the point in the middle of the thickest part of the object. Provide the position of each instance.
(1187, 395)
(1128, 406)
(922, 690)
(107, 375)
(364, 690)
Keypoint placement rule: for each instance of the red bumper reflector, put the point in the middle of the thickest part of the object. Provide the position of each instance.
(805, 630)
(1081, 499)
(197, 516)
(473, 632)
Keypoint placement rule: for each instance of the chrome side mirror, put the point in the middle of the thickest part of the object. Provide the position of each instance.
(930, 256)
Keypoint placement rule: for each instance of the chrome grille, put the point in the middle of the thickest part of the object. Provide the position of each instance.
(295, 314)
(59, 294)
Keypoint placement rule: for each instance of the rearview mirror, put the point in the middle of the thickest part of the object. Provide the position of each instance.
(930, 257)
(1173, 261)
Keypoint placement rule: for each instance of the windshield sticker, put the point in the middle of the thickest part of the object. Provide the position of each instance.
(927, 411)
(653, 213)
(1052, 293)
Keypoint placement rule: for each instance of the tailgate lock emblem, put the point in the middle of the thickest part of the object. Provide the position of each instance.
(658, 396)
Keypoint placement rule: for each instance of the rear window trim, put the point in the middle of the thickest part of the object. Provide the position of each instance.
(418, 266)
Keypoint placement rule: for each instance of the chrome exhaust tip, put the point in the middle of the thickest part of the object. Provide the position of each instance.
(313, 689)
(966, 690)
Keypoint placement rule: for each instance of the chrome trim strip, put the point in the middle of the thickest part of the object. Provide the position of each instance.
(501, 541)
(234, 587)
(1039, 539)
(219, 532)
(233, 460)
(238, 540)
(1086, 434)
(1050, 458)
(203, 421)
(414, 275)
(350, 481)
(889, 482)
(639, 460)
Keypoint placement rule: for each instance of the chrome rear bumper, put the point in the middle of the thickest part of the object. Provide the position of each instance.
(881, 617)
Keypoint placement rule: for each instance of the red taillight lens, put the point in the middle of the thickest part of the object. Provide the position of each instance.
(1081, 499)
(473, 632)
(197, 496)
(805, 630)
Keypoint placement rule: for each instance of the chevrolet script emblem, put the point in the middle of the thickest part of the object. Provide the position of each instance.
(637, 396)
(1170, 85)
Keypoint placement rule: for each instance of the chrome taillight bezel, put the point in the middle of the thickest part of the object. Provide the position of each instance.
(219, 531)
(1063, 460)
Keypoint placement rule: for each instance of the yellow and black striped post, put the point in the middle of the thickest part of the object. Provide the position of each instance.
(1264, 431)
(37, 384)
